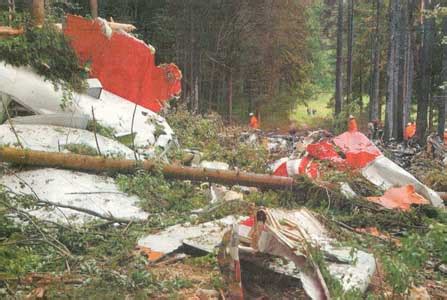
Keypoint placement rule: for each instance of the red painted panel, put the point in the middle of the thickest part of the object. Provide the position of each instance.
(124, 65)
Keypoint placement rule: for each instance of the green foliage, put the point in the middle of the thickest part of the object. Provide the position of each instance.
(81, 149)
(101, 130)
(206, 134)
(159, 194)
(49, 53)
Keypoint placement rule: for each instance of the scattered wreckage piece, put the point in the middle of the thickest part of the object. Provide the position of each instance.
(71, 120)
(299, 228)
(149, 130)
(170, 239)
(358, 154)
(124, 64)
(56, 139)
(74, 189)
(386, 174)
(100, 164)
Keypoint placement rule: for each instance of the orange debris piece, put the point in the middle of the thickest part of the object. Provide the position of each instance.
(400, 198)
(149, 253)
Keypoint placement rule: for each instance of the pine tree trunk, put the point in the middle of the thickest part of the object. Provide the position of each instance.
(94, 8)
(100, 164)
(425, 80)
(376, 67)
(230, 96)
(402, 50)
(443, 98)
(350, 48)
(38, 12)
(339, 64)
(391, 74)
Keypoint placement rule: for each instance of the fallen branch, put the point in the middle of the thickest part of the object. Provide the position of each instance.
(89, 212)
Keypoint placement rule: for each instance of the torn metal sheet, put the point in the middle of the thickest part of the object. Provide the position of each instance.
(40, 97)
(124, 64)
(56, 138)
(354, 269)
(172, 238)
(72, 120)
(97, 193)
(384, 173)
(94, 88)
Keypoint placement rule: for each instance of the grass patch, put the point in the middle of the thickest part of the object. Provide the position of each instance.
(323, 112)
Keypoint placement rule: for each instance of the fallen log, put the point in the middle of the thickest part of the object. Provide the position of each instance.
(6, 31)
(100, 164)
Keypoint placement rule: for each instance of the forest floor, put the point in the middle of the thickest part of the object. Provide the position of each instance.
(101, 262)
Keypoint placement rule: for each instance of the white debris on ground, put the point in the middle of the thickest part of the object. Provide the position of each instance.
(354, 269)
(217, 165)
(172, 238)
(96, 193)
(71, 120)
(39, 96)
(59, 139)
(385, 174)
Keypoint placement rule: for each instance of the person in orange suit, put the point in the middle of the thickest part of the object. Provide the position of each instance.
(352, 124)
(410, 131)
(254, 123)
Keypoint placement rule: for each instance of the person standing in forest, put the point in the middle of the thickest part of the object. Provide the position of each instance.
(254, 123)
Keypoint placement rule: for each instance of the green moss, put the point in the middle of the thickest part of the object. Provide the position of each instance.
(81, 149)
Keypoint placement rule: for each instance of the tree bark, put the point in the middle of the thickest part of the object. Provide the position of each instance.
(100, 164)
(339, 64)
(94, 8)
(230, 96)
(402, 50)
(350, 48)
(391, 74)
(38, 12)
(425, 77)
(443, 98)
(376, 67)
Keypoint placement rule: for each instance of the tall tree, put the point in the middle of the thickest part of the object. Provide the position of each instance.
(443, 98)
(375, 102)
(425, 74)
(402, 50)
(350, 49)
(409, 61)
(38, 12)
(339, 63)
(94, 8)
(391, 70)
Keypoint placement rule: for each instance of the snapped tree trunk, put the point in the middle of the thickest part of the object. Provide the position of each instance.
(100, 164)
(94, 8)
(376, 67)
(38, 12)
(339, 64)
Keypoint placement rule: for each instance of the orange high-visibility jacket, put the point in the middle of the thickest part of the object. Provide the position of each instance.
(410, 131)
(352, 125)
(254, 122)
